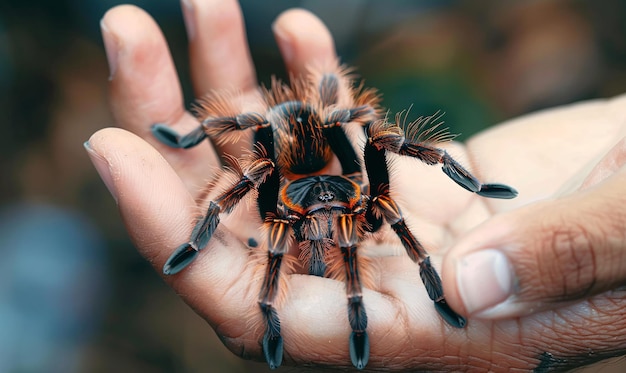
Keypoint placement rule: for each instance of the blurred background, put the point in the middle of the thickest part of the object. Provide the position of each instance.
(74, 294)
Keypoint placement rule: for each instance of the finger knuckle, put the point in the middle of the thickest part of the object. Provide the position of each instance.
(567, 265)
(573, 248)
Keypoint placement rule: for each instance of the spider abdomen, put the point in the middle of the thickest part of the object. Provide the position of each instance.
(300, 144)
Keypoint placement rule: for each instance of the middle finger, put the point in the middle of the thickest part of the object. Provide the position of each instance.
(218, 48)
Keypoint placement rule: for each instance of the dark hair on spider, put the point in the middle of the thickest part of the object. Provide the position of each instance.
(296, 134)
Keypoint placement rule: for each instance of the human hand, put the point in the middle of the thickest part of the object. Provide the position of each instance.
(554, 261)
(156, 188)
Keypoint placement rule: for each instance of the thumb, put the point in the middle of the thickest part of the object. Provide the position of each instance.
(541, 255)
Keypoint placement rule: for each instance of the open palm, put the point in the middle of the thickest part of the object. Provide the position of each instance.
(158, 188)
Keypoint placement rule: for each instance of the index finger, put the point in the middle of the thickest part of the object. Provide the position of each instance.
(144, 88)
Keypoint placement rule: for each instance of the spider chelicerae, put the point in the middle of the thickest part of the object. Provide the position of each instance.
(296, 136)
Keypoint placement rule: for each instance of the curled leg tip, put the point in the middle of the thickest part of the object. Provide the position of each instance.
(171, 138)
(180, 259)
(273, 350)
(461, 177)
(359, 349)
(166, 135)
(449, 315)
(497, 191)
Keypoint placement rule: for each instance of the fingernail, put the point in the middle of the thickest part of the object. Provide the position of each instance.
(104, 169)
(484, 279)
(188, 15)
(284, 42)
(111, 48)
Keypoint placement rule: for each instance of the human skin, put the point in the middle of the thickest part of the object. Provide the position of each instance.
(557, 253)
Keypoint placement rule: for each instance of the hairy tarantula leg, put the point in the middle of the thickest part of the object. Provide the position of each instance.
(465, 179)
(218, 126)
(382, 206)
(365, 100)
(347, 238)
(344, 150)
(278, 244)
(361, 114)
(389, 136)
(267, 198)
(337, 139)
(329, 89)
(429, 276)
(390, 210)
(200, 236)
(375, 161)
(213, 126)
(254, 173)
(171, 138)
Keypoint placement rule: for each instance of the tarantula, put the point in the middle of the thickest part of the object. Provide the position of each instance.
(295, 138)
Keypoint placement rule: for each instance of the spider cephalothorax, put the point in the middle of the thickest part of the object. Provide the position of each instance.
(296, 136)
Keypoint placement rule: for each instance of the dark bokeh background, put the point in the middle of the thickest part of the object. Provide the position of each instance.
(74, 294)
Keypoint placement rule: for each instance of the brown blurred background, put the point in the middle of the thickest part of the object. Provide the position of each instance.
(74, 294)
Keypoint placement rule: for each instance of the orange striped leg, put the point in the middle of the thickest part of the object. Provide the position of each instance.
(257, 169)
(390, 210)
(347, 238)
(278, 244)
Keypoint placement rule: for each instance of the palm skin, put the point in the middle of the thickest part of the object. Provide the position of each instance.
(157, 189)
